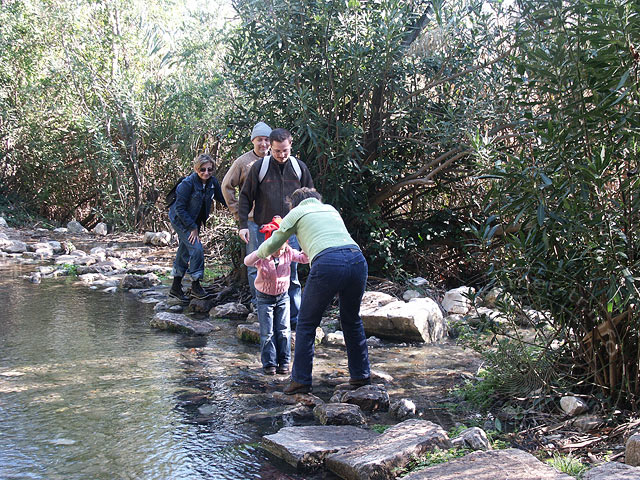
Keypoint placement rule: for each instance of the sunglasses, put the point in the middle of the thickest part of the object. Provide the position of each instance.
(204, 169)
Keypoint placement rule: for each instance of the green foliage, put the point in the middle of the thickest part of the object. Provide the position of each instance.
(568, 464)
(70, 269)
(375, 99)
(568, 185)
(380, 428)
(428, 459)
(102, 105)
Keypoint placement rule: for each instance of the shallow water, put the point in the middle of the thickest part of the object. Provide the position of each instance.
(88, 390)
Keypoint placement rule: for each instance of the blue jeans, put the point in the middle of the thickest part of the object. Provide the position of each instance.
(342, 271)
(188, 256)
(295, 289)
(275, 333)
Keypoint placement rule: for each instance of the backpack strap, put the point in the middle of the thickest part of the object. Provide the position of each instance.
(265, 166)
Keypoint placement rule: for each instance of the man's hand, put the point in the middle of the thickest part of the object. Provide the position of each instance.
(193, 236)
(244, 234)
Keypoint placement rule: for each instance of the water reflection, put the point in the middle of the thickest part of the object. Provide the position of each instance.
(88, 390)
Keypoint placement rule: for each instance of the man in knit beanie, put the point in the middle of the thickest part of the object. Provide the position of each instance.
(266, 196)
(236, 177)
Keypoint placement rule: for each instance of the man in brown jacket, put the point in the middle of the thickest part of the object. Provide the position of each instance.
(266, 195)
(236, 177)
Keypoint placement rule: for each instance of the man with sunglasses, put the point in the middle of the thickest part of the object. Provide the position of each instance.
(266, 193)
(194, 197)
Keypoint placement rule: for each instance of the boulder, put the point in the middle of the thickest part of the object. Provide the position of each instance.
(613, 471)
(410, 294)
(492, 296)
(100, 229)
(334, 339)
(3, 223)
(229, 310)
(56, 246)
(474, 438)
(586, 423)
(373, 341)
(419, 320)
(632, 450)
(14, 246)
(376, 299)
(457, 300)
(100, 267)
(60, 230)
(158, 239)
(339, 414)
(129, 282)
(573, 406)
(307, 447)
(176, 322)
(509, 464)
(370, 398)
(248, 332)
(75, 227)
(402, 409)
(483, 314)
(393, 449)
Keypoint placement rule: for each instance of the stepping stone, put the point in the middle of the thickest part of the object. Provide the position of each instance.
(394, 448)
(339, 414)
(176, 322)
(613, 471)
(492, 465)
(307, 447)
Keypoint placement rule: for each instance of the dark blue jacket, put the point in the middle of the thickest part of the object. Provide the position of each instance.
(189, 196)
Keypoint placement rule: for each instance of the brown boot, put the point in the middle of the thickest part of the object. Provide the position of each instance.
(295, 387)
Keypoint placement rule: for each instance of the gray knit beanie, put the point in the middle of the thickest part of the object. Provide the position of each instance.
(260, 129)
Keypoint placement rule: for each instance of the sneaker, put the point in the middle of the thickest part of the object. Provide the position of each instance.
(295, 387)
(269, 370)
(178, 295)
(283, 370)
(197, 291)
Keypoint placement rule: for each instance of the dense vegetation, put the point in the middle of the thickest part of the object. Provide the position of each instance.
(472, 142)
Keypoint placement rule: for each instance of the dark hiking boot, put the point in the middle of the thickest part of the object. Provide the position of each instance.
(283, 370)
(269, 370)
(178, 294)
(353, 384)
(295, 387)
(197, 291)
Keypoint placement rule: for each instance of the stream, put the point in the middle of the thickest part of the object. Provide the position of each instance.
(89, 390)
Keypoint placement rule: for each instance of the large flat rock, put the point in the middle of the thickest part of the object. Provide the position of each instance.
(307, 447)
(394, 448)
(511, 464)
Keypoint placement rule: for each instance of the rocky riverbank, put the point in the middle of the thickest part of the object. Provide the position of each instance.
(376, 431)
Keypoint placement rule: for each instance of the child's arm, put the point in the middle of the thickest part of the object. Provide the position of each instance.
(251, 259)
(299, 257)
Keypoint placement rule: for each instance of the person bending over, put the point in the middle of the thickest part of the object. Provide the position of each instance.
(337, 267)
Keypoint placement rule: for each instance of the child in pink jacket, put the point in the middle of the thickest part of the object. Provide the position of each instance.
(272, 285)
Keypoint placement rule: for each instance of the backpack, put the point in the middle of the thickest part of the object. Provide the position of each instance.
(171, 196)
(265, 166)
